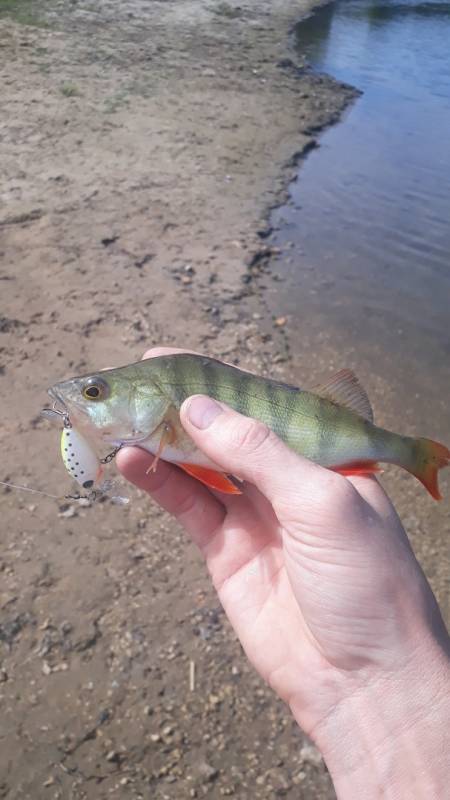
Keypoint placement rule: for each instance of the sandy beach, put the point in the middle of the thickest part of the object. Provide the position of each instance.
(143, 144)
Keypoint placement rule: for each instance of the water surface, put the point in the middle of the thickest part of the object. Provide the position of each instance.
(365, 280)
(370, 212)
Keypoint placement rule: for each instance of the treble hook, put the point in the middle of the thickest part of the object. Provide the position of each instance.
(48, 413)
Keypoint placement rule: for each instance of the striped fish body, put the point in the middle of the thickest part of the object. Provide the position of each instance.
(312, 426)
(139, 404)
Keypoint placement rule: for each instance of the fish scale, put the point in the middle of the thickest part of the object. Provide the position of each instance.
(332, 425)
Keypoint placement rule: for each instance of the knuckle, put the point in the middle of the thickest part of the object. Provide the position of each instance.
(340, 491)
(186, 504)
(250, 435)
(334, 491)
(324, 497)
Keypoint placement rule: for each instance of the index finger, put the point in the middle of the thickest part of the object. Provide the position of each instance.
(167, 351)
(189, 501)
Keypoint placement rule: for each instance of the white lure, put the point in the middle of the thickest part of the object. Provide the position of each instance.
(80, 460)
(82, 463)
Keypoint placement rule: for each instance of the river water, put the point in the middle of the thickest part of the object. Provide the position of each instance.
(366, 282)
(364, 274)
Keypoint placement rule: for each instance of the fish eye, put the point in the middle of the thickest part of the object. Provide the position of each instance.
(95, 389)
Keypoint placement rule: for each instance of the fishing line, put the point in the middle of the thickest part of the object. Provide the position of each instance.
(90, 496)
(34, 491)
(104, 489)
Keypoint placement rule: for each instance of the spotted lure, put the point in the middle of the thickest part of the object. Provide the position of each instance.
(80, 459)
(332, 425)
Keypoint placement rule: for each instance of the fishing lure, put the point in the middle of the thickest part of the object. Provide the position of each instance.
(80, 460)
(83, 464)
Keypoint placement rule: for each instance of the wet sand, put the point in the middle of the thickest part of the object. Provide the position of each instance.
(144, 144)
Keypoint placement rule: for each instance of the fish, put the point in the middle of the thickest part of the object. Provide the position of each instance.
(332, 424)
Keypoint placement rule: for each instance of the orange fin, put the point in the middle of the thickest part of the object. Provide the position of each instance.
(433, 456)
(211, 478)
(345, 390)
(359, 468)
(167, 437)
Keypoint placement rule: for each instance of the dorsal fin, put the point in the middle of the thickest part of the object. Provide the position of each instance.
(345, 390)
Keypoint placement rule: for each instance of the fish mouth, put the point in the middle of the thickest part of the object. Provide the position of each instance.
(53, 394)
(60, 406)
(58, 409)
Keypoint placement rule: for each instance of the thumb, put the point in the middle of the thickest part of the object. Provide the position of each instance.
(250, 450)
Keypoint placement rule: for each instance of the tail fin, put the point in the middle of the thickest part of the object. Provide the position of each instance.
(430, 457)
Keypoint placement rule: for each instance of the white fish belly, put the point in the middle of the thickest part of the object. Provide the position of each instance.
(177, 455)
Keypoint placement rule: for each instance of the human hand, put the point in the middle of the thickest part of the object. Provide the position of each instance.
(316, 575)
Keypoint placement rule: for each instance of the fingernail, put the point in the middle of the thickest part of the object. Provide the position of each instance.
(202, 411)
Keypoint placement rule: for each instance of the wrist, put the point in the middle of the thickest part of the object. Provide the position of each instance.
(389, 735)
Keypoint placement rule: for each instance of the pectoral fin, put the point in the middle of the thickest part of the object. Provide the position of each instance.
(211, 478)
(167, 437)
